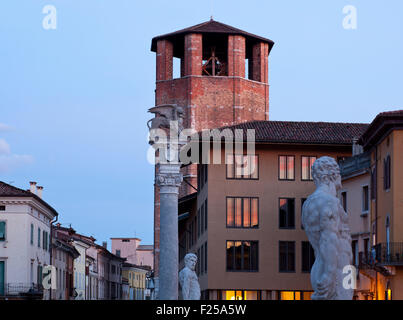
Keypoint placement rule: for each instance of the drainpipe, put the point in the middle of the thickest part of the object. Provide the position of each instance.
(51, 249)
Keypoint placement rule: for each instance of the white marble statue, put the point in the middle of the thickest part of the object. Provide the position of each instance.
(326, 225)
(188, 279)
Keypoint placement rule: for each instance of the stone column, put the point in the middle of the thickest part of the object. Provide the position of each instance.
(168, 179)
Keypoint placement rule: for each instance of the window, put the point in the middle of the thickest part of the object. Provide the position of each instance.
(118, 253)
(198, 223)
(198, 262)
(287, 256)
(2, 230)
(32, 234)
(286, 213)
(294, 295)
(373, 184)
(302, 204)
(242, 212)
(201, 176)
(39, 275)
(242, 166)
(365, 199)
(242, 256)
(44, 239)
(240, 295)
(286, 167)
(354, 247)
(344, 200)
(201, 258)
(386, 173)
(366, 249)
(306, 167)
(39, 237)
(205, 257)
(308, 256)
(113, 269)
(202, 219)
(2, 208)
(126, 240)
(205, 214)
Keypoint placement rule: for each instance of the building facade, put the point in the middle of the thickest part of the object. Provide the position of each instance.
(134, 252)
(137, 281)
(383, 140)
(245, 226)
(25, 222)
(355, 198)
(63, 256)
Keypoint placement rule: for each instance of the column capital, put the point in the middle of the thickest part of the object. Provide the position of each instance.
(168, 179)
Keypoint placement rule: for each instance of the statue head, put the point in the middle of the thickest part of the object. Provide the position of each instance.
(190, 261)
(325, 170)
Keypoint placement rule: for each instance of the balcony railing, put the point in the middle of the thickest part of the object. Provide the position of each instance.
(21, 290)
(389, 254)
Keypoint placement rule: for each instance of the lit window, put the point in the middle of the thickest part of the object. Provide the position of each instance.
(286, 167)
(242, 212)
(242, 166)
(306, 167)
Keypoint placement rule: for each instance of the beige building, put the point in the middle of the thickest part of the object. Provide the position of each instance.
(355, 198)
(383, 140)
(245, 227)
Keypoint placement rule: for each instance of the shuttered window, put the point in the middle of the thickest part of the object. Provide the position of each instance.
(2, 230)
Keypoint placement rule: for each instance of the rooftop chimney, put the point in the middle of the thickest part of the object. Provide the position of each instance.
(39, 191)
(105, 244)
(32, 187)
(357, 149)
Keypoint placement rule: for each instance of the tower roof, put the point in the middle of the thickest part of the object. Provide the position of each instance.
(210, 27)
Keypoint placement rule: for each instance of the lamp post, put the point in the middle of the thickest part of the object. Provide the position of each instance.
(164, 137)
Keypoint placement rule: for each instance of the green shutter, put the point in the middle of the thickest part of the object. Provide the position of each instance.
(32, 233)
(1, 278)
(2, 230)
(39, 237)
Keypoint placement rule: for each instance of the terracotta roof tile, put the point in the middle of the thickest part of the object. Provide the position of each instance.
(302, 132)
(210, 26)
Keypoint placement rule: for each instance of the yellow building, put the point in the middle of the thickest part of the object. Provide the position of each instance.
(383, 140)
(137, 279)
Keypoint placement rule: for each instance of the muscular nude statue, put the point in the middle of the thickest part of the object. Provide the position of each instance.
(188, 279)
(326, 225)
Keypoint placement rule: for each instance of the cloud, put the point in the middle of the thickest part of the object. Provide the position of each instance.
(4, 147)
(10, 161)
(4, 127)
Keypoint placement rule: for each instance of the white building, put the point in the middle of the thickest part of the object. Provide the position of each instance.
(24, 240)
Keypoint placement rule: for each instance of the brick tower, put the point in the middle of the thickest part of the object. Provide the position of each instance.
(213, 87)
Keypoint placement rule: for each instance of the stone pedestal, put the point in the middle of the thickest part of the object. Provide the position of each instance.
(168, 179)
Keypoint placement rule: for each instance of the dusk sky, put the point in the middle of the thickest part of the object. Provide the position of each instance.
(74, 100)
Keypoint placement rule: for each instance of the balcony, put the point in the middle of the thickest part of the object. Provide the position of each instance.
(389, 254)
(21, 291)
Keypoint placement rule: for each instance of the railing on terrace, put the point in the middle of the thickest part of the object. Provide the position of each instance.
(20, 289)
(389, 253)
